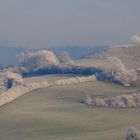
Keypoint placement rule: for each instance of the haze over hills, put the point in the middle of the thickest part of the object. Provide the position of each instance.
(77, 52)
(8, 54)
(129, 55)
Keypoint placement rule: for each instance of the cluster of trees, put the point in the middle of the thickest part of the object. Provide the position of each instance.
(122, 101)
(112, 69)
(35, 60)
(46, 62)
(64, 58)
(31, 61)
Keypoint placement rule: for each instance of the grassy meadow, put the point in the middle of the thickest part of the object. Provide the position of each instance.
(56, 113)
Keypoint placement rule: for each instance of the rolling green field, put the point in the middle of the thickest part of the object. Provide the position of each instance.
(56, 113)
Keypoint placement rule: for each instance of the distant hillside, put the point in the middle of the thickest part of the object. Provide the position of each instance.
(130, 56)
(77, 52)
(8, 55)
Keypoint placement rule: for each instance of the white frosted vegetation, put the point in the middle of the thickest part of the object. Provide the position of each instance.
(114, 70)
(12, 86)
(19, 88)
(88, 100)
(36, 85)
(35, 60)
(12, 94)
(122, 101)
(136, 39)
(64, 58)
(133, 134)
(9, 79)
(75, 80)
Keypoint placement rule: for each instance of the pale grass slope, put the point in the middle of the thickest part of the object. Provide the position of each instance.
(130, 56)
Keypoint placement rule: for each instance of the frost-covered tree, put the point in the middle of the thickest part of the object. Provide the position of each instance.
(114, 70)
(136, 39)
(35, 60)
(64, 58)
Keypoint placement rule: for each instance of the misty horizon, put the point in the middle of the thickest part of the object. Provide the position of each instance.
(46, 23)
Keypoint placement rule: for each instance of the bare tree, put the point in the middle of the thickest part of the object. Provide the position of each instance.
(64, 57)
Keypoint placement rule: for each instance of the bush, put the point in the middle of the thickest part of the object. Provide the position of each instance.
(133, 134)
(136, 39)
(9, 79)
(88, 100)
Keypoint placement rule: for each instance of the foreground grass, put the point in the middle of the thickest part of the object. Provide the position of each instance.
(57, 114)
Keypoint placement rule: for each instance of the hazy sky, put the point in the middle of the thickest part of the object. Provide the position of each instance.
(43, 23)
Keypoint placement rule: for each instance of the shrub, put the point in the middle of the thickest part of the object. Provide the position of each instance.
(136, 39)
(9, 79)
(121, 101)
(133, 134)
(88, 100)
